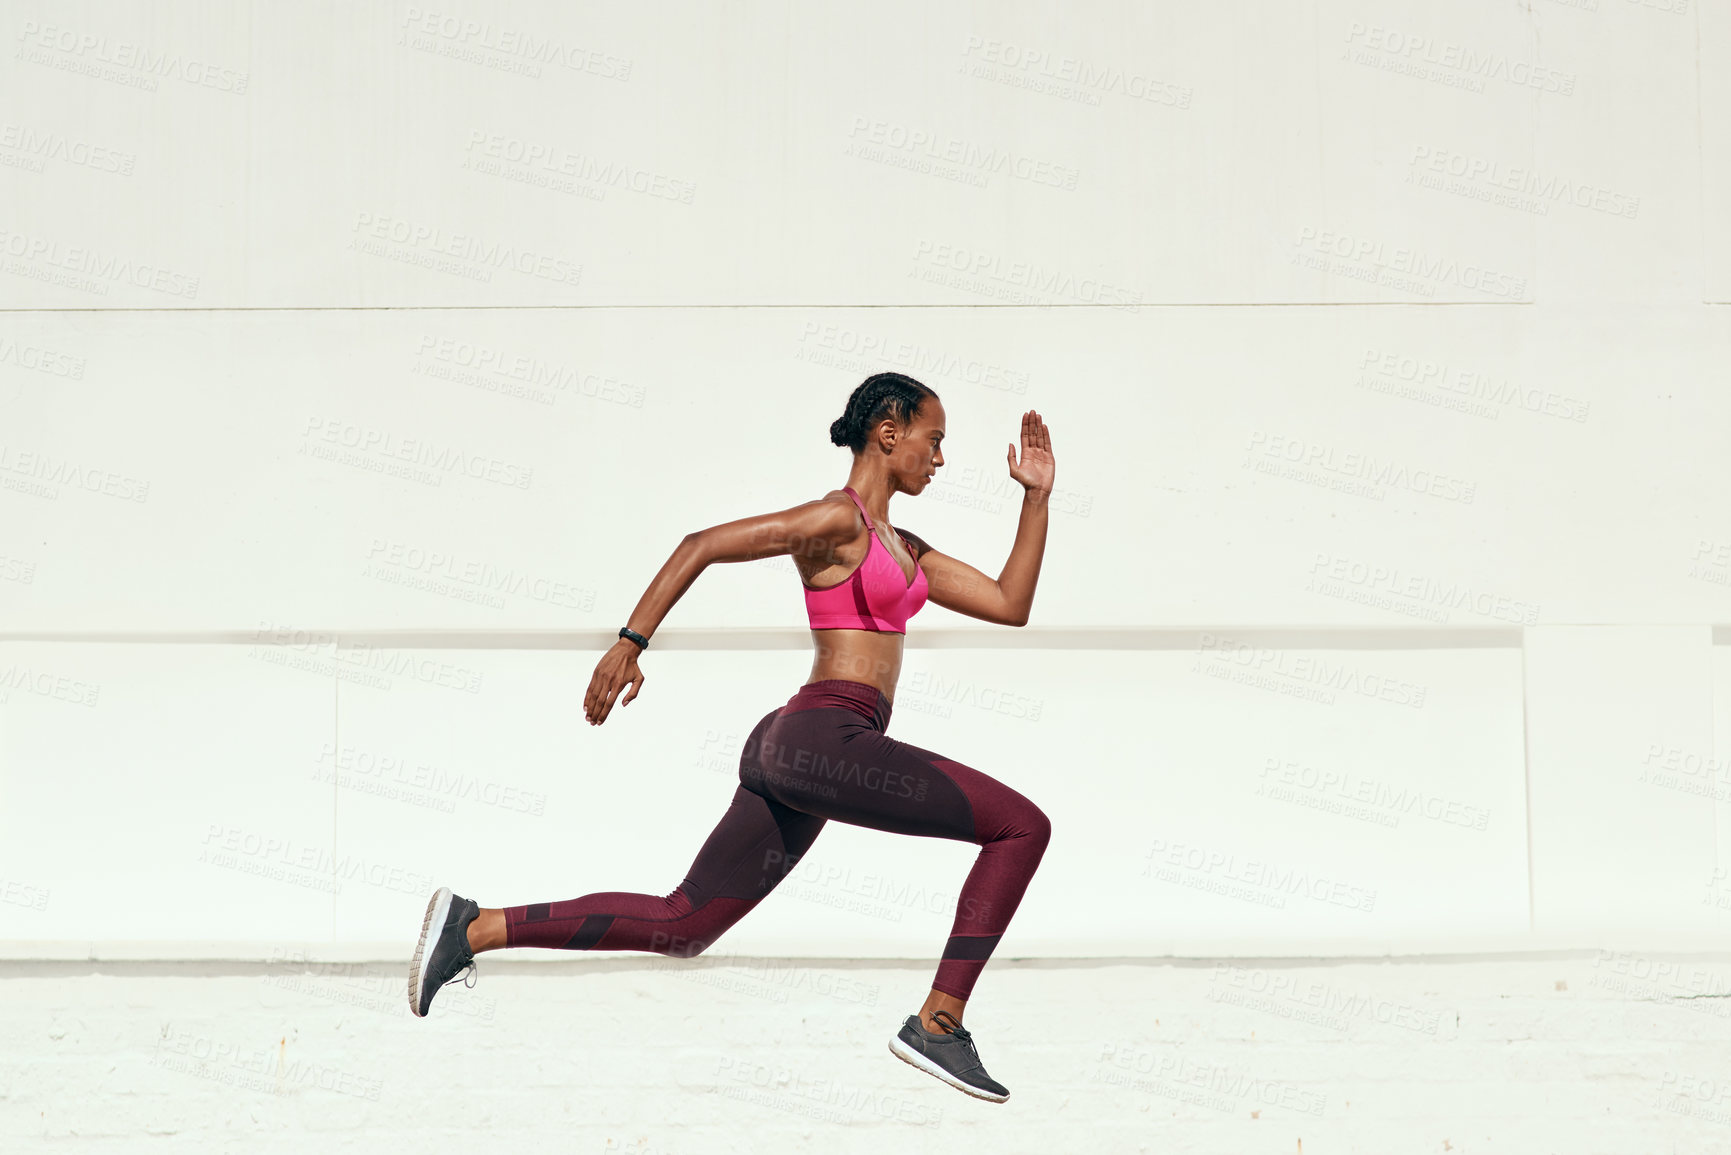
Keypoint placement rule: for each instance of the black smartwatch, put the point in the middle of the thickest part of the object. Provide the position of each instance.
(641, 641)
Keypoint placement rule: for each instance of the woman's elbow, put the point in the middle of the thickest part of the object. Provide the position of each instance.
(697, 545)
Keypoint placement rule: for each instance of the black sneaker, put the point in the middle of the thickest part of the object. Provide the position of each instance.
(443, 951)
(950, 1056)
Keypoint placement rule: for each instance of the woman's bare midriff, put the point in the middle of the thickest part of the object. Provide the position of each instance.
(858, 656)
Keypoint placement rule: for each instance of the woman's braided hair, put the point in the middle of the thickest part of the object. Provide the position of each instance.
(881, 395)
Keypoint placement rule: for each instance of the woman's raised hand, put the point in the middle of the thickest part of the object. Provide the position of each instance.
(1036, 469)
(616, 670)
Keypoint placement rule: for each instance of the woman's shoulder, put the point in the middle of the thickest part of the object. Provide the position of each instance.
(914, 540)
(845, 515)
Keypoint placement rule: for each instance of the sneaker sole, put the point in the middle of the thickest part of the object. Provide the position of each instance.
(914, 1059)
(438, 908)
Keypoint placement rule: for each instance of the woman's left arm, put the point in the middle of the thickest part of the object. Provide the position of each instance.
(1009, 599)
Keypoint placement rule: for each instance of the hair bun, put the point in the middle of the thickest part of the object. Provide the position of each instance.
(881, 395)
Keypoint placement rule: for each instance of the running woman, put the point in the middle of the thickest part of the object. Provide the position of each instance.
(825, 754)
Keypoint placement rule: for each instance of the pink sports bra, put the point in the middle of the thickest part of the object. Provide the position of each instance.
(875, 597)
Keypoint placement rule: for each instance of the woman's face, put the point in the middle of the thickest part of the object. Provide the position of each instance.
(919, 449)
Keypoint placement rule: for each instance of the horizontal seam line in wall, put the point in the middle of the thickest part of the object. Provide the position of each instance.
(1187, 638)
(610, 962)
(831, 305)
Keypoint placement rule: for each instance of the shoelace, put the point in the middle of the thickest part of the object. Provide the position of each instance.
(954, 1027)
(470, 972)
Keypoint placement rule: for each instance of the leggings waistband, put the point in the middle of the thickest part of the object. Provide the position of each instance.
(866, 701)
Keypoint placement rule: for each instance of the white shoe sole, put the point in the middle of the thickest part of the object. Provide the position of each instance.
(438, 908)
(913, 1058)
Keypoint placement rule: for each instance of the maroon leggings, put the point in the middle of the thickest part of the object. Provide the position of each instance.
(823, 755)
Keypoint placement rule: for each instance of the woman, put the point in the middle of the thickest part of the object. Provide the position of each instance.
(823, 755)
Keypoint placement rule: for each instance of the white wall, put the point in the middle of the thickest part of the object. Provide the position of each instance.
(1452, 455)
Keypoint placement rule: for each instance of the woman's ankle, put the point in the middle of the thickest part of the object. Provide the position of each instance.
(939, 1001)
(487, 931)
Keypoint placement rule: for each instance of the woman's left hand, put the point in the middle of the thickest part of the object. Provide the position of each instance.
(1036, 468)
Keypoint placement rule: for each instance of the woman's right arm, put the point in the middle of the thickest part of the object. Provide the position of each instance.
(808, 530)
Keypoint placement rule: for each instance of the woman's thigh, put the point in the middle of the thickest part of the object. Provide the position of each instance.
(831, 763)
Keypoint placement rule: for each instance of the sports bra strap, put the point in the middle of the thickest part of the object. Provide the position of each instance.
(848, 489)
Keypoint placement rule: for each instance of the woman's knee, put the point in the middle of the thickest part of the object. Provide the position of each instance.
(1025, 824)
(691, 929)
(1039, 827)
(691, 936)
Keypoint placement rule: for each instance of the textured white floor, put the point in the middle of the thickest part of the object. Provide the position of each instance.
(1582, 1054)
